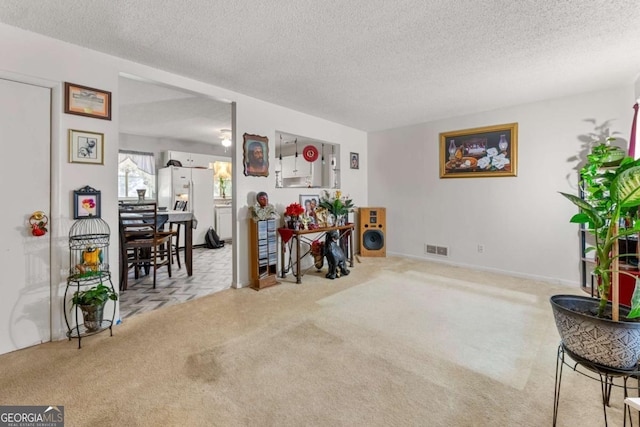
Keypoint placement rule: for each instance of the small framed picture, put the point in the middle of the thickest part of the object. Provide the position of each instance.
(86, 147)
(309, 202)
(354, 160)
(87, 101)
(86, 203)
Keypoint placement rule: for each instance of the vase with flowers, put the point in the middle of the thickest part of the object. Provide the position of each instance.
(338, 205)
(293, 211)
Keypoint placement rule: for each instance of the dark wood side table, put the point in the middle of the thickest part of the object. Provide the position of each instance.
(289, 238)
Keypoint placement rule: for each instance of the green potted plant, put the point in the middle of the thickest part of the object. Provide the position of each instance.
(610, 189)
(91, 302)
(338, 205)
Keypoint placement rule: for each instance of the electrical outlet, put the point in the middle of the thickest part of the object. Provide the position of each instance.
(432, 249)
(480, 249)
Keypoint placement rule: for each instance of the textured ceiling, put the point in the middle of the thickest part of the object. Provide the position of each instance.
(158, 111)
(372, 64)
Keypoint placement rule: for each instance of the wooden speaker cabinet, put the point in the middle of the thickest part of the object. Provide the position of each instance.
(373, 230)
(263, 253)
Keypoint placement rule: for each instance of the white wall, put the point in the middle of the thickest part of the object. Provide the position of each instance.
(26, 54)
(522, 221)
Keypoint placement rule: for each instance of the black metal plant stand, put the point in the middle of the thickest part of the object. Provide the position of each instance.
(88, 267)
(592, 370)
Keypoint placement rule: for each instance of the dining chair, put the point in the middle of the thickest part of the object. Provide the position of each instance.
(180, 205)
(143, 246)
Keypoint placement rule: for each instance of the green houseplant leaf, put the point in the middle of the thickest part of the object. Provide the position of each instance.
(626, 188)
(96, 295)
(610, 193)
(635, 301)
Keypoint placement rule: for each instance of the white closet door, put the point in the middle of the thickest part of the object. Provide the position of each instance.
(25, 140)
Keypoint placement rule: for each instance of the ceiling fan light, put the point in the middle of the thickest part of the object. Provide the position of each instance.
(226, 142)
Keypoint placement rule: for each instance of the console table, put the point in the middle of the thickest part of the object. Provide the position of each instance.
(289, 238)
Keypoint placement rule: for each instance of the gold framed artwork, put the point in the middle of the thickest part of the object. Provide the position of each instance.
(87, 101)
(490, 151)
(86, 147)
(256, 155)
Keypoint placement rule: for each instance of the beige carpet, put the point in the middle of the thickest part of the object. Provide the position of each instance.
(398, 342)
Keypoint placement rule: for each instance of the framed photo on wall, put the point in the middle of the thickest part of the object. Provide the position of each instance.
(86, 203)
(87, 101)
(256, 155)
(490, 151)
(86, 147)
(354, 160)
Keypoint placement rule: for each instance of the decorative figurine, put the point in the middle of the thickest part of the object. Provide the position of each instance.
(336, 261)
(262, 210)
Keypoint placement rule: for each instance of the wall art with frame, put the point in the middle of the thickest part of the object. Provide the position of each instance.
(86, 203)
(490, 151)
(86, 147)
(87, 101)
(256, 155)
(354, 161)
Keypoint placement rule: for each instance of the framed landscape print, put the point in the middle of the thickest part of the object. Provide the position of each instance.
(490, 151)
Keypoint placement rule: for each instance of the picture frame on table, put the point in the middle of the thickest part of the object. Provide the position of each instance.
(256, 155)
(490, 151)
(87, 101)
(86, 147)
(313, 201)
(86, 203)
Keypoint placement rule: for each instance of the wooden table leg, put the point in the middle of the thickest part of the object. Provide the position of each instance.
(351, 248)
(283, 253)
(298, 278)
(188, 247)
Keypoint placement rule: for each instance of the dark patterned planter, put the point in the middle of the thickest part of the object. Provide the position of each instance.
(599, 340)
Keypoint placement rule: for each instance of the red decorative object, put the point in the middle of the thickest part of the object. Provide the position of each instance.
(38, 223)
(294, 209)
(310, 153)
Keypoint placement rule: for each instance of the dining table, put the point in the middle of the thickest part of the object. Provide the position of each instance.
(176, 217)
(186, 218)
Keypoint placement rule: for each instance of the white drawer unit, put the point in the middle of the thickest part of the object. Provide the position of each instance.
(224, 226)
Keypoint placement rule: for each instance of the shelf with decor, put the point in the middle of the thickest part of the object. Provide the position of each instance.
(89, 286)
(263, 253)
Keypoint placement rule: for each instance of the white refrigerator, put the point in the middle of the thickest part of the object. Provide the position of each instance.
(194, 185)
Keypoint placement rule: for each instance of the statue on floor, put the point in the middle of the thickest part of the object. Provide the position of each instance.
(336, 259)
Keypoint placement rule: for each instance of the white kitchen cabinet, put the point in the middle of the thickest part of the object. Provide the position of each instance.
(190, 160)
(202, 160)
(224, 226)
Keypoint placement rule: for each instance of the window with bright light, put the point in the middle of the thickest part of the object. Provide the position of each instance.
(136, 170)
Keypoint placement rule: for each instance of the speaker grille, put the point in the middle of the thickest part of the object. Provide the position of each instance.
(373, 240)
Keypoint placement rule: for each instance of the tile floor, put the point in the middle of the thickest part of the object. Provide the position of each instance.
(211, 273)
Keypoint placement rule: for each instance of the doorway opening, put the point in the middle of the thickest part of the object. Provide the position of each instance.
(190, 130)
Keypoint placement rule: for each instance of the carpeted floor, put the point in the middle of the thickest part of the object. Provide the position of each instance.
(398, 342)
